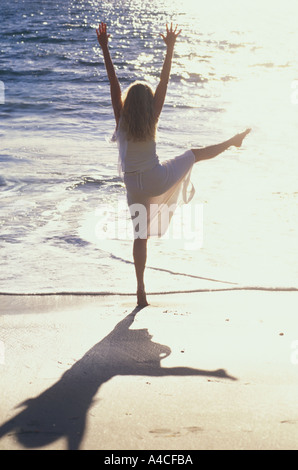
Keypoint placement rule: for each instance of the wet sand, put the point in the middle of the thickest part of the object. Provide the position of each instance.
(205, 370)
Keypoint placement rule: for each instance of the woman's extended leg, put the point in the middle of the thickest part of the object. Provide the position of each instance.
(214, 150)
(140, 256)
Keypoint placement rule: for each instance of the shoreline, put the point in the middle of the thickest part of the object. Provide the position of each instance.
(123, 294)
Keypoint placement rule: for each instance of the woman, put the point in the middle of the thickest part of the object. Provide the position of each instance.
(149, 184)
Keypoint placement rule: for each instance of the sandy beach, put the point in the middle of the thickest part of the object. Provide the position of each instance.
(212, 362)
(207, 370)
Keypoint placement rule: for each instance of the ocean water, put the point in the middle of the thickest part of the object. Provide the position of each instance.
(235, 66)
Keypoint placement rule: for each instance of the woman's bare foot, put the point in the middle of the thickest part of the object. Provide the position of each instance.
(141, 297)
(238, 138)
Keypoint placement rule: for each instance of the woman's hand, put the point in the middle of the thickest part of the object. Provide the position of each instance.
(102, 35)
(171, 36)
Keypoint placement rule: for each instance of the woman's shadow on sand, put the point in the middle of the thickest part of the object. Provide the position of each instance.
(61, 410)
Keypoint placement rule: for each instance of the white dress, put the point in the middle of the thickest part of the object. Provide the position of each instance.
(154, 189)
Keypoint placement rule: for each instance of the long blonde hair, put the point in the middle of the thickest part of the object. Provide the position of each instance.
(137, 118)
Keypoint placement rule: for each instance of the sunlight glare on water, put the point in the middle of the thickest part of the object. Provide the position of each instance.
(234, 66)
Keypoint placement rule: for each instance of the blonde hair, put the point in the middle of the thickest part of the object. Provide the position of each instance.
(137, 118)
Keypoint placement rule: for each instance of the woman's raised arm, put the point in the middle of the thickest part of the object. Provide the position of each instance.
(103, 39)
(161, 90)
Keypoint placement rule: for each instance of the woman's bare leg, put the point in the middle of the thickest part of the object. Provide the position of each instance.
(140, 256)
(213, 150)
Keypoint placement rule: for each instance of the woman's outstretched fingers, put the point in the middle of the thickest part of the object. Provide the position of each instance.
(171, 35)
(102, 35)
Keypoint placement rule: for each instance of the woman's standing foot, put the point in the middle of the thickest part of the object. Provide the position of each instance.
(141, 297)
